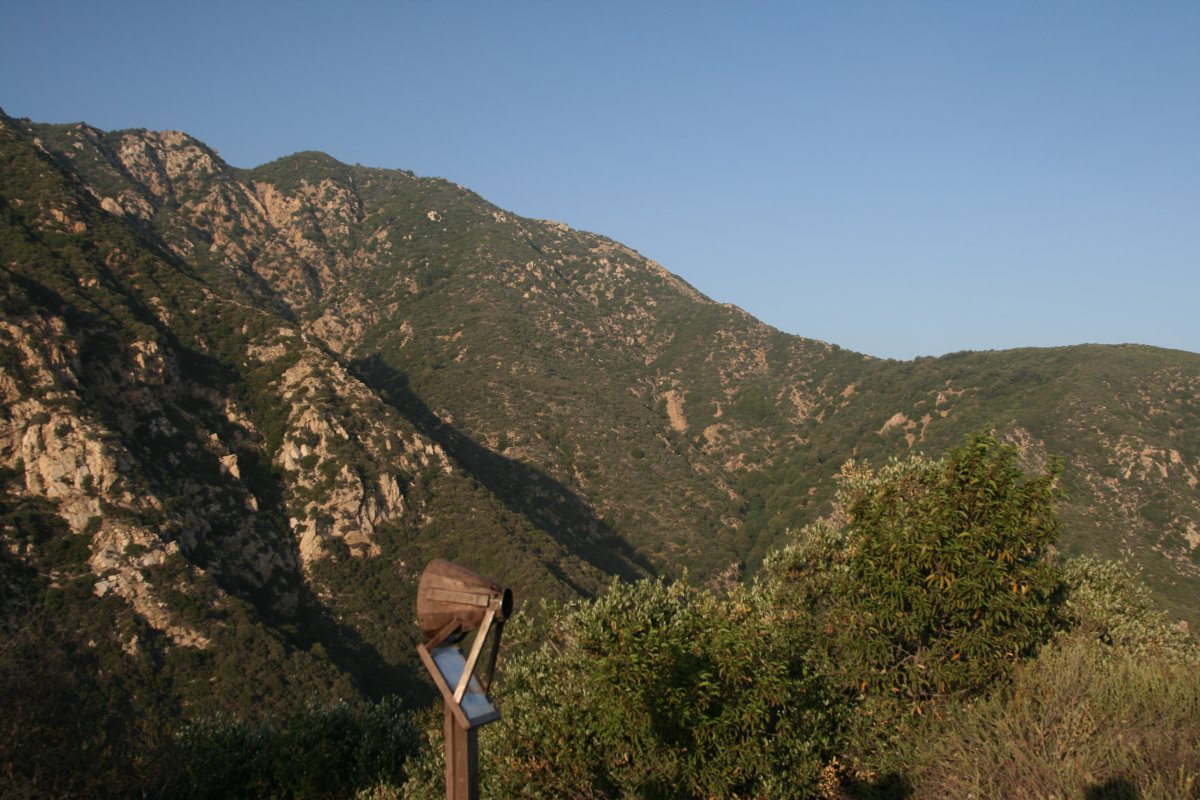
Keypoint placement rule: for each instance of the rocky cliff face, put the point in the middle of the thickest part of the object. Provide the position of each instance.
(289, 386)
(69, 457)
(331, 500)
(206, 444)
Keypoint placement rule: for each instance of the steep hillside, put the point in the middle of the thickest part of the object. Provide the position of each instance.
(1125, 420)
(209, 457)
(273, 394)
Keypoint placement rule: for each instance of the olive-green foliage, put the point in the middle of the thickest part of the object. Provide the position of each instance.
(941, 575)
(320, 751)
(75, 717)
(656, 691)
(1107, 709)
(1107, 603)
(1082, 720)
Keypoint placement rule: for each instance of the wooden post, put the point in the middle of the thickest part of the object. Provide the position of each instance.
(462, 760)
(452, 602)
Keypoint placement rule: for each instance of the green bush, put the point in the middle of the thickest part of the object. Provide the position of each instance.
(939, 578)
(1106, 603)
(655, 691)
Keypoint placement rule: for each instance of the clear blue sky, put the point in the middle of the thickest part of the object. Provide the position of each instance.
(899, 178)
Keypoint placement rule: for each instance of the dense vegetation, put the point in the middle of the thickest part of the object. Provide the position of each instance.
(923, 642)
(243, 407)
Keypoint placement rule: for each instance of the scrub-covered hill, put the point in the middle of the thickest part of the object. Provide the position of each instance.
(242, 408)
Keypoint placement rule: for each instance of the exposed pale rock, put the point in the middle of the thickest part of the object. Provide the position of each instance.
(897, 420)
(119, 554)
(675, 410)
(329, 500)
(64, 464)
(229, 463)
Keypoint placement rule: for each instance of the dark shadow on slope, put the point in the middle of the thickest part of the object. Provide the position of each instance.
(1115, 789)
(313, 621)
(374, 675)
(169, 451)
(892, 786)
(525, 490)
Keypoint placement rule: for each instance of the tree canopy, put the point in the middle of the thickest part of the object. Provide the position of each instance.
(935, 574)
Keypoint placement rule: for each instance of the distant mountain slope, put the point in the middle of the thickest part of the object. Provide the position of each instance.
(1124, 419)
(290, 386)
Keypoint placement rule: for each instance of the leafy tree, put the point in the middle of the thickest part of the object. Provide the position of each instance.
(938, 577)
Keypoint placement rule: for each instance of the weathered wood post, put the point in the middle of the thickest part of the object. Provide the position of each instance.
(452, 602)
(462, 760)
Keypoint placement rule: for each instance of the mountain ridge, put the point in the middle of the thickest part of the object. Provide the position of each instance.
(289, 386)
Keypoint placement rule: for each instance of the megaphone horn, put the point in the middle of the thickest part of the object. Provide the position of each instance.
(452, 601)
